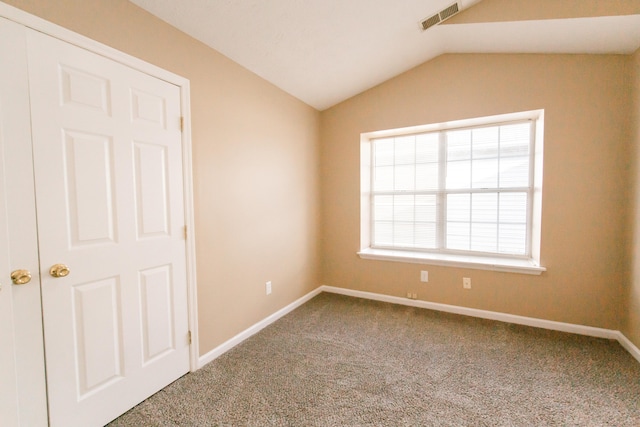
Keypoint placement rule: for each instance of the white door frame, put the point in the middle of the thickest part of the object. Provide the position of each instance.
(39, 24)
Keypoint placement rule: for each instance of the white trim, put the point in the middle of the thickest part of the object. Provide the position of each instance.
(483, 314)
(229, 344)
(38, 24)
(629, 346)
(507, 265)
(493, 315)
(187, 168)
(529, 264)
(456, 124)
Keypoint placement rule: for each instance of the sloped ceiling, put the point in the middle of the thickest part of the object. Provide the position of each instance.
(325, 51)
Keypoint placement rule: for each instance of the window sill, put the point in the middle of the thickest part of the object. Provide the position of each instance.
(523, 266)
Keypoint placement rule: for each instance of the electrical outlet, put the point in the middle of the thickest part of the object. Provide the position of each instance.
(268, 287)
(466, 282)
(424, 276)
(412, 295)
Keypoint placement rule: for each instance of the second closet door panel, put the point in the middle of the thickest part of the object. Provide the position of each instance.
(22, 375)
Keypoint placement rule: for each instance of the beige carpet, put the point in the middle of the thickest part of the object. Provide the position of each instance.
(342, 361)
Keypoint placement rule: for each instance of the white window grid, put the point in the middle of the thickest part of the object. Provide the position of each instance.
(441, 194)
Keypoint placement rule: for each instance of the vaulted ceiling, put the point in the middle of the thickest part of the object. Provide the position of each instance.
(325, 51)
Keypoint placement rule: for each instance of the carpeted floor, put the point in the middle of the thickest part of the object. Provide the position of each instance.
(342, 361)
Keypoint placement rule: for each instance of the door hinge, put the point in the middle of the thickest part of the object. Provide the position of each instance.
(185, 231)
(189, 337)
(181, 124)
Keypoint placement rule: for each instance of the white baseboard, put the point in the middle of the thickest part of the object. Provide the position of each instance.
(492, 315)
(483, 314)
(629, 346)
(229, 344)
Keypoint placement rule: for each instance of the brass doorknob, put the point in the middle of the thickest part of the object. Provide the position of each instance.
(20, 277)
(59, 270)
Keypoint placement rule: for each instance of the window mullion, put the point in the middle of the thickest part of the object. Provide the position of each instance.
(393, 203)
(372, 196)
(470, 192)
(498, 219)
(415, 185)
(441, 200)
(532, 156)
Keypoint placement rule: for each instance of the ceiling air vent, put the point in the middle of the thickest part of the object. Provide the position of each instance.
(430, 22)
(439, 17)
(449, 12)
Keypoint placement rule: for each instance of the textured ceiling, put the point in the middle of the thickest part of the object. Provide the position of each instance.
(325, 51)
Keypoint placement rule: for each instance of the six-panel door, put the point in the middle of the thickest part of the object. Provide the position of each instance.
(109, 194)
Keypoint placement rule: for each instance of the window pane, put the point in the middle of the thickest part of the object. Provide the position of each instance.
(459, 174)
(514, 139)
(485, 143)
(383, 152)
(484, 208)
(404, 178)
(425, 235)
(513, 238)
(425, 210)
(403, 208)
(484, 173)
(459, 207)
(427, 148)
(484, 222)
(427, 176)
(458, 145)
(403, 234)
(383, 233)
(458, 221)
(513, 208)
(484, 237)
(514, 172)
(383, 208)
(458, 237)
(405, 150)
(513, 223)
(383, 178)
(514, 155)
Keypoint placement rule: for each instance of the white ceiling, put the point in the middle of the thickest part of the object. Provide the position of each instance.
(325, 51)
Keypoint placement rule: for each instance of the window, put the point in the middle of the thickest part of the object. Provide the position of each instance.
(462, 193)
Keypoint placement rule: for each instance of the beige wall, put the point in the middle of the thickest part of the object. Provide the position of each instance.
(257, 175)
(631, 328)
(586, 168)
(255, 165)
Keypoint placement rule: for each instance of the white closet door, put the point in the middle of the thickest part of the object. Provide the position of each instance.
(22, 377)
(8, 374)
(109, 193)
(9, 409)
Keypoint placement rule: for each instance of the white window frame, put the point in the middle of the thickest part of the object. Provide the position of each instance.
(528, 264)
